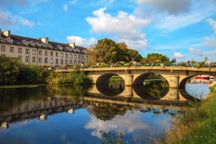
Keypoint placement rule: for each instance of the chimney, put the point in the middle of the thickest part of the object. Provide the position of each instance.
(44, 40)
(72, 45)
(6, 33)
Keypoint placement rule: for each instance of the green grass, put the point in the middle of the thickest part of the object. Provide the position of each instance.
(195, 126)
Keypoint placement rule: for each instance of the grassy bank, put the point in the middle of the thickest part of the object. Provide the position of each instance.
(195, 126)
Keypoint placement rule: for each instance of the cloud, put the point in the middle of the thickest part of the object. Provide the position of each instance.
(26, 22)
(81, 41)
(210, 41)
(172, 15)
(212, 23)
(65, 7)
(5, 19)
(171, 6)
(124, 26)
(128, 123)
(178, 55)
(12, 2)
(196, 51)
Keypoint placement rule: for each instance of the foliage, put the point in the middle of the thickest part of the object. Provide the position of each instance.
(30, 74)
(196, 125)
(154, 58)
(13, 71)
(72, 78)
(108, 51)
(9, 70)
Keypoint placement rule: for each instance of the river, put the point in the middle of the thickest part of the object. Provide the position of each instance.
(75, 115)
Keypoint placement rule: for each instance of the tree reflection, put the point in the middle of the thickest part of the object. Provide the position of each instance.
(112, 138)
(107, 111)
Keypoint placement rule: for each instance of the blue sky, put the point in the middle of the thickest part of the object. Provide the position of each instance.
(181, 29)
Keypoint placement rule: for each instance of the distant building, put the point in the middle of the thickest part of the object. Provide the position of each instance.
(41, 51)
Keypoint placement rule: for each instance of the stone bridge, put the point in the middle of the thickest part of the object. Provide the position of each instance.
(175, 76)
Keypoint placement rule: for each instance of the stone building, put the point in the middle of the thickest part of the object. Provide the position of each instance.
(41, 51)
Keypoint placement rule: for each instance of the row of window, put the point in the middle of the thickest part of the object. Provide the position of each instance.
(49, 61)
(40, 52)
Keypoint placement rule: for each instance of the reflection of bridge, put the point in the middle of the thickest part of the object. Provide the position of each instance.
(128, 92)
(42, 108)
(175, 76)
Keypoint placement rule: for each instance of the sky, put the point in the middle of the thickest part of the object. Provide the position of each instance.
(180, 29)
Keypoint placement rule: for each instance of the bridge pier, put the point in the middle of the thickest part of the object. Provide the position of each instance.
(128, 79)
(173, 80)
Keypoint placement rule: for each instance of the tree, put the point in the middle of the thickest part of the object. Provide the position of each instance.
(9, 70)
(157, 57)
(108, 51)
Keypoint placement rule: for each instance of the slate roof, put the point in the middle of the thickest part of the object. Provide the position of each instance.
(37, 43)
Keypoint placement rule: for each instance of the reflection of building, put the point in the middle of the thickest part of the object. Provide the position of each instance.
(41, 51)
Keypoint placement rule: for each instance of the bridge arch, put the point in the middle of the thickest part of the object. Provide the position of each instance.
(151, 89)
(102, 84)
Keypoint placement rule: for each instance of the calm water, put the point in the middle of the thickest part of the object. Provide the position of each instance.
(66, 115)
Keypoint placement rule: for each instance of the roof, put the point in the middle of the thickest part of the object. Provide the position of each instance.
(38, 43)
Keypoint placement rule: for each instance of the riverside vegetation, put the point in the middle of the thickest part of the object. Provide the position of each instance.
(197, 125)
(14, 72)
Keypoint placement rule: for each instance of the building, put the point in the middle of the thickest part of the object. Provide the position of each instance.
(41, 51)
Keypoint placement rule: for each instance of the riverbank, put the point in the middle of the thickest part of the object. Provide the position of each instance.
(22, 86)
(195, 126)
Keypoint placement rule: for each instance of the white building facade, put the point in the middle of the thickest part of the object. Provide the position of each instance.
(41, 51)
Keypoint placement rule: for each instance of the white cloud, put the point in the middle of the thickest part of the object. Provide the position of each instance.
(26, 22)
(5, 18)
(65, 7)
(212, 23)
(210, 41)
(124, 26)
(196, 51)
(166, 19)
(81, 41)
(170, 6)
(178, 55)
(127, 124)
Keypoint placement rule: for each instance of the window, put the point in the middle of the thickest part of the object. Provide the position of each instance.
(33, 52)
(71, 61)
(33, 59)
(66, 55)
(56, 61)
(56, 54)
(62, 62)
(19, 50)
(46, 53)
(27, 59)
(75, 56)
(40, 60)
(27, 51)
(51, 53)
(71, 55)
(45, 60)
(62, 55)
(2, 48)
(79, 56)
(40, 52)
(51, 61)
(11, 49)
(66, 61)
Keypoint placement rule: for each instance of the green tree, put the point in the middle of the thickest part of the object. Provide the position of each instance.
(157, 57)
(9, 70)
(108, 51)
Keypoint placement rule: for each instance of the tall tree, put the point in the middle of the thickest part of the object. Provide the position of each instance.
(157, 58)
(108, 51)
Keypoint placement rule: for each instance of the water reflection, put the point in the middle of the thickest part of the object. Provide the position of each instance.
(66, 114)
